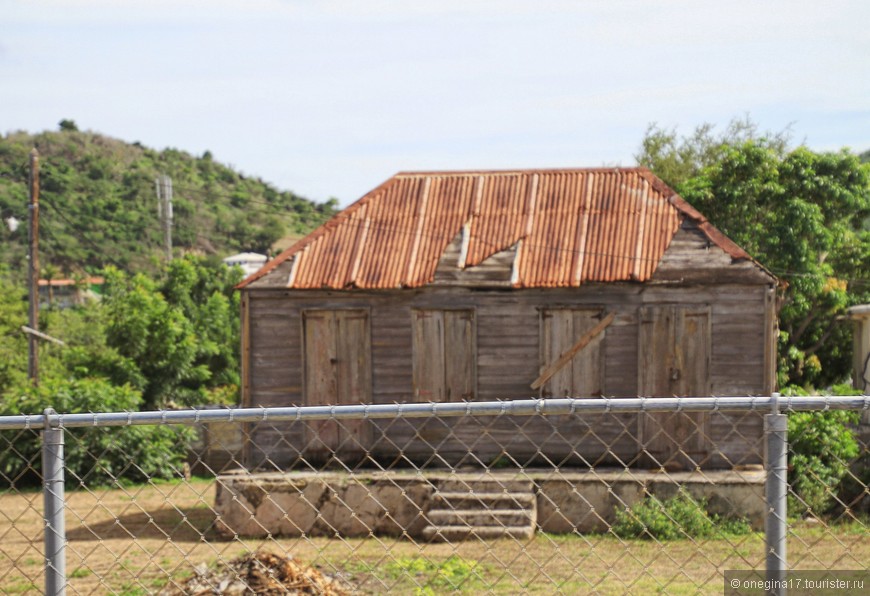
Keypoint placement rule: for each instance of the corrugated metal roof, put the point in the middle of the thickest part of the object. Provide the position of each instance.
(568, 227)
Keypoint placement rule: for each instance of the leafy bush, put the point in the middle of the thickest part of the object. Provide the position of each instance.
(679, 517)
(821, 448)
(93, 456)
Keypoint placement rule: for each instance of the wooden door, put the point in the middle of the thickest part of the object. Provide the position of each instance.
(674, 361)
(583, 376)
(444, 355)
(337, 372)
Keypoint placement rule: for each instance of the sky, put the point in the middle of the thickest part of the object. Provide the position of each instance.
(329, 98)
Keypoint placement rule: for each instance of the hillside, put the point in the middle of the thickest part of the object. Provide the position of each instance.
(98, 203)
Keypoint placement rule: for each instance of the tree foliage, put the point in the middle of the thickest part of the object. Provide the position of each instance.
(92, 456)
(99, 192)
(13, 344)
(822, 446)
(677, 159)
(800, 213)
(175, 338)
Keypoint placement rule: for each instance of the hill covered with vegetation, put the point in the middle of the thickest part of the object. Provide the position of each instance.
(98, 203)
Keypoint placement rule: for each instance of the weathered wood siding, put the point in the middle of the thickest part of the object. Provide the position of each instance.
(508, 355)
(444, 355)
(508, 326)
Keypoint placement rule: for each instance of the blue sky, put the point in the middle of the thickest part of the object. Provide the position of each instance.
(329, 98)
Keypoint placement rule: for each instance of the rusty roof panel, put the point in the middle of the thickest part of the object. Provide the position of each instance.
(447, 208)
(569, 226)
(495, 225)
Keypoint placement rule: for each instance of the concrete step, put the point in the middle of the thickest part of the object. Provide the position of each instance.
(483, 500)
(485, 484)
(464, 532)
(482, 509)
(478, 517)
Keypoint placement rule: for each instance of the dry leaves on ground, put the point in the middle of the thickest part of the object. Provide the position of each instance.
(259, 573)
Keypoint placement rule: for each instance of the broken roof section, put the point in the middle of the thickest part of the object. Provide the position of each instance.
(566, 227)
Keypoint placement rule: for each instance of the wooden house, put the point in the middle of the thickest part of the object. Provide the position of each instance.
(489, 285)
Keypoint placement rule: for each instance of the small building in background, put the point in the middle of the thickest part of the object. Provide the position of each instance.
(250, 262)
(861, 351)
(64, 293)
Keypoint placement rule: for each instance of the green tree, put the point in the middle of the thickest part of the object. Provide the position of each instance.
(677, 159)
(801, 214)
(50, 273)
(93, 456)
(97, 191)
(175, 339)
(204, 291)
(154, 335)
(13, 343)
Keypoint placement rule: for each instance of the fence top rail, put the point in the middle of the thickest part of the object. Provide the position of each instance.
(521, 407)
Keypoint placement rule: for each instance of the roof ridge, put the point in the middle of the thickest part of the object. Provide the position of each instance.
(509, 172)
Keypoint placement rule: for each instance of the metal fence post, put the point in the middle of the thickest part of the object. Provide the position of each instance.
(776, 491)
(53, 499)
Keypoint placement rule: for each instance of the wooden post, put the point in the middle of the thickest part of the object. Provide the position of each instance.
(33, 271)
(245, 373)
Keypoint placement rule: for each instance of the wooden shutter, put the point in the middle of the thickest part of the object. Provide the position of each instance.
(444, 355)
(583, 376)
(459, 355)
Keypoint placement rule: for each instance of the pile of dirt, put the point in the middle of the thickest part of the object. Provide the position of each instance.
(261, 572)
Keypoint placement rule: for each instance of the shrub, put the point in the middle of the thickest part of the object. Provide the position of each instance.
(679, 517)
(93, 456)
(821, 448)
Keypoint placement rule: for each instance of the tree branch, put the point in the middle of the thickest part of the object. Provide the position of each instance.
(815, 347)
(803, 325)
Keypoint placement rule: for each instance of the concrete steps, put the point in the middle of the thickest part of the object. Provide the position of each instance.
(482, 508)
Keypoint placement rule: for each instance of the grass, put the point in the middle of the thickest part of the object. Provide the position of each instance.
(173, 528)
(422, 575)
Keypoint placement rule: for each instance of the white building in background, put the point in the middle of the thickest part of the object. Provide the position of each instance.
(250, 262)
(861, 370)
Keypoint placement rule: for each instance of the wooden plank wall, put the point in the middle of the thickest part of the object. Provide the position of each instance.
(508, 323)
(508, 336)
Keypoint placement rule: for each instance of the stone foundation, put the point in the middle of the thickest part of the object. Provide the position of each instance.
(396, 503)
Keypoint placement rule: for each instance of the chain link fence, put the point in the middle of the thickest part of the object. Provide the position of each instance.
(292, 500)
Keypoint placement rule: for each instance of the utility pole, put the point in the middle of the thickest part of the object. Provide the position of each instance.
(33, 271)
(164, 210)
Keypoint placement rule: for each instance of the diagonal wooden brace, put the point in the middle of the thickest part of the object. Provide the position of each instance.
(569, 354)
